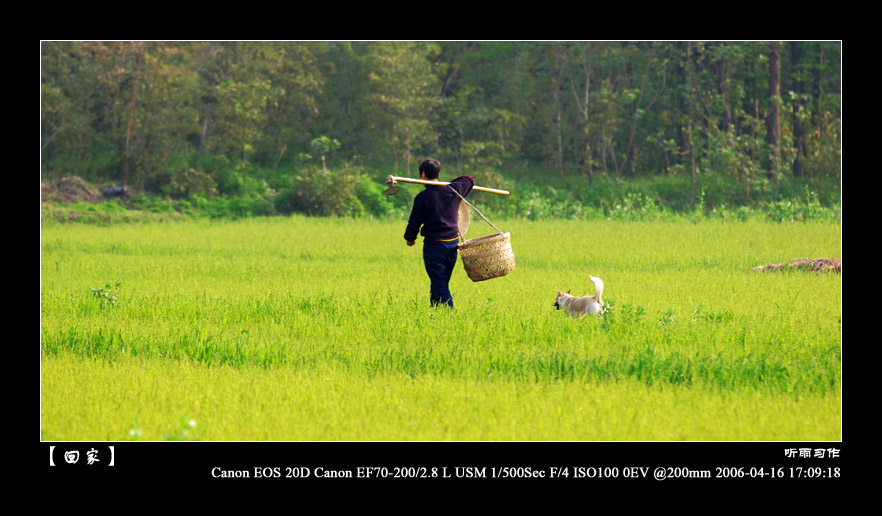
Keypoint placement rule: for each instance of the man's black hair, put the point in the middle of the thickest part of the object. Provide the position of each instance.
(431, 168)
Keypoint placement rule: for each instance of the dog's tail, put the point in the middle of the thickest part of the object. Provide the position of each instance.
(598, 288)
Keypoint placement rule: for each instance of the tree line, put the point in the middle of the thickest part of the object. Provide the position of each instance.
(179, 117)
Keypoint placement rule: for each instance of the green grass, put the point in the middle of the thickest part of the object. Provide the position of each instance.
(310, 329)
(182, 400)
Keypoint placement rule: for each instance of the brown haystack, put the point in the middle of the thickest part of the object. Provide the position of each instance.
(70, 189)
(809, 264)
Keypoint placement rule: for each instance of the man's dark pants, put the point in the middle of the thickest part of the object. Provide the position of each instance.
(440, 257)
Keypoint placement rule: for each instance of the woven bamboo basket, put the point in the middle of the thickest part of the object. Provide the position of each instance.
(487, 257)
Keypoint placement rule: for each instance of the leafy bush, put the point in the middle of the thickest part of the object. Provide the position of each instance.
(321, 192)
(370, 194)
(807, 209)
(490, 178)
(356, 192)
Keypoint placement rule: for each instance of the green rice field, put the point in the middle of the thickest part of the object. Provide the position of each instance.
(296, 328)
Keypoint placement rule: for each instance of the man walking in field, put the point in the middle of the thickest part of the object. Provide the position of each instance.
(436, 209)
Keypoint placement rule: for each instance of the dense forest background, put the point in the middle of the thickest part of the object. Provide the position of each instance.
(573, 127)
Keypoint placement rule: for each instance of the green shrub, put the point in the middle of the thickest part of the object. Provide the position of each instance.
(375, 202)
(321, 192)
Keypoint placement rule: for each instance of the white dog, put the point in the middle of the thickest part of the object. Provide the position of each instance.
(582, 306)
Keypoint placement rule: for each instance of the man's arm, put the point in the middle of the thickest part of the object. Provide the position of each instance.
(463, 184)
(414, 222)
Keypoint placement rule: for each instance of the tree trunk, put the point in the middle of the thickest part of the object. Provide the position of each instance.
(723, 79)
(818, 110)
(682, 144)
(126, 164)
(689, 141)
(558, 104)
(797, 128)
(204, 132)
(588, 160)
(773, 136)
(583, 107)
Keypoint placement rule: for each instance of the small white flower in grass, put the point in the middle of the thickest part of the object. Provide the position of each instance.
(193, 423)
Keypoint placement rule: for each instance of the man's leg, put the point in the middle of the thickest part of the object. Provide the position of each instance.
(449, 263)
(439, 263)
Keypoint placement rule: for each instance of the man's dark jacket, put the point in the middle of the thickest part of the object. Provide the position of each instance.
(436, 209)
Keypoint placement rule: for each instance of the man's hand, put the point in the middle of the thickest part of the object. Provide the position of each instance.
(410, 242)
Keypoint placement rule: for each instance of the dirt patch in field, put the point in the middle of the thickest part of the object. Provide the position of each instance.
(809, 264)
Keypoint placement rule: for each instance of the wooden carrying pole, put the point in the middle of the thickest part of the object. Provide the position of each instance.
(394, 179)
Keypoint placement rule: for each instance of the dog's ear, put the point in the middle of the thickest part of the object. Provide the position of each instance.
(570, 290)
